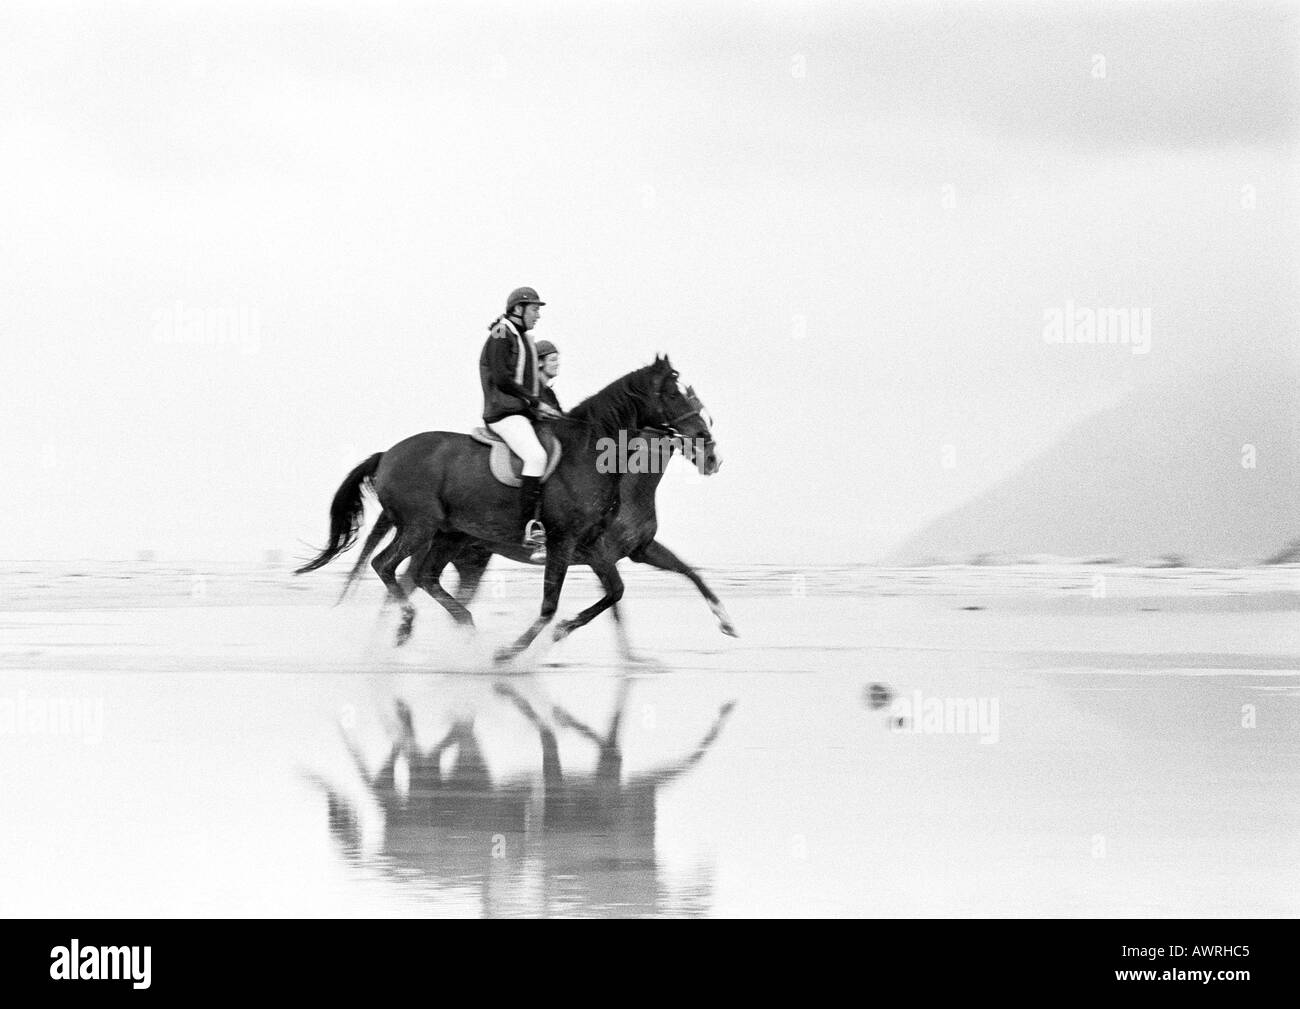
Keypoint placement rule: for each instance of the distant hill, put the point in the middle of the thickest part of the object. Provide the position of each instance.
(1160, 474)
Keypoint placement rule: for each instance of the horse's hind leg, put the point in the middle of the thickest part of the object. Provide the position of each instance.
(659, 556)
(383, 526)
(381, 782)
(440, 551)
(470, 564)
(385, 779)
(385, 565)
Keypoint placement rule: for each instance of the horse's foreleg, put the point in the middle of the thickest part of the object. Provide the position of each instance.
(624, 645)
(659, 556)
(551, 772)
(665, 774)
(423, 775)
(630, 657)
(557, 566)
(610, 580)
(609, 765)
(565, 719)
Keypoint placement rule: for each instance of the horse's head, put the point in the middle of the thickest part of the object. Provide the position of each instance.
(679, 411)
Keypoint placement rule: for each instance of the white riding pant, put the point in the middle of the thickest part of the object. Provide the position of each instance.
(517, 432)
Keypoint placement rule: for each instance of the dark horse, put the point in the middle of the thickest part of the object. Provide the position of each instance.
(437, 492)
(632, 533)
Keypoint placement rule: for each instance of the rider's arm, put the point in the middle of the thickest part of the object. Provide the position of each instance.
(498, 359)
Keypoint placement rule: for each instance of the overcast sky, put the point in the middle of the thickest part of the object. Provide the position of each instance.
(844, 222)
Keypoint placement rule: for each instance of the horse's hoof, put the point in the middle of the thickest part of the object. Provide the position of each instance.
(503, 655)
(728, 630)
(403, 636)
(562, 630)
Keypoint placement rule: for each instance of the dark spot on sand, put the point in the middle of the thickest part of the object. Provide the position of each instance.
(877, 695)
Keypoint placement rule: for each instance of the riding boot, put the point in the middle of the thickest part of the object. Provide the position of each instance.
(534, 536)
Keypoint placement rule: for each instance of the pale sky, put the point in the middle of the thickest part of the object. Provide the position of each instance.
(843, 222)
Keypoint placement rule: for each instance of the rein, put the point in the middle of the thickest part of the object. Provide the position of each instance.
(671, 426)
(668, 427)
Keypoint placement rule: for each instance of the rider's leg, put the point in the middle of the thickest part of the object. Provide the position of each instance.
(518, 433)
(530, 492)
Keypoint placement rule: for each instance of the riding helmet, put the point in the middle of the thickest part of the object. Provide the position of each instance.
(522, 296)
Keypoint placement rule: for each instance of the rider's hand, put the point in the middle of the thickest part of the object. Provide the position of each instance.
(548, 412)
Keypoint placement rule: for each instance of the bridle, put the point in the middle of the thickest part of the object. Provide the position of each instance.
(670, 428)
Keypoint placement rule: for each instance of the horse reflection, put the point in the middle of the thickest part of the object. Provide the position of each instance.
(569, 844)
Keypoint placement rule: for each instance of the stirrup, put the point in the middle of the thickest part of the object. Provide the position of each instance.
(535, 540)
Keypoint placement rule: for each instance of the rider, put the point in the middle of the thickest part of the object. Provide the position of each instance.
(548, 362)
(512, 398)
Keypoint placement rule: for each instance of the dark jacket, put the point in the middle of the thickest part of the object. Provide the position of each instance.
(547, 395)
(509, 386)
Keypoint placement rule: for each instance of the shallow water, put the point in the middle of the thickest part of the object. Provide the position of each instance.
(941, 742)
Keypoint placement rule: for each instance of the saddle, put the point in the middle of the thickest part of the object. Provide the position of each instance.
(506, 466)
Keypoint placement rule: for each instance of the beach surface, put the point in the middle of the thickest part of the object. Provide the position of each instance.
(1047, 740)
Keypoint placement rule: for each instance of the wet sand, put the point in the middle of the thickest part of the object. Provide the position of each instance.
(940, 741)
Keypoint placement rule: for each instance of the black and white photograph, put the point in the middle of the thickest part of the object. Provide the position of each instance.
(597, 459)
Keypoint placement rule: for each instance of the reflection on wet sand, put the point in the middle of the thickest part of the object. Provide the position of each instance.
(562, 844)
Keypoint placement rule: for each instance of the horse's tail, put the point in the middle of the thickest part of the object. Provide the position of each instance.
(346, 511)
(382, 527)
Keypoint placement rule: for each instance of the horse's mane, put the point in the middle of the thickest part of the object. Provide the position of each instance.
(614, 408)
